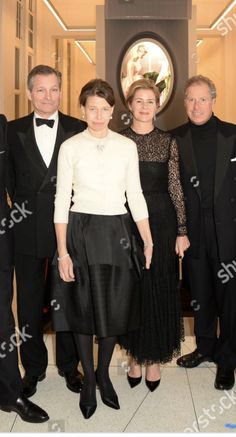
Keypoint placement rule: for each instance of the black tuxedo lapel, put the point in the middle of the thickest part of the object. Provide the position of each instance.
(62, 135)
(224, 152)
(29, 144)
(188, 158)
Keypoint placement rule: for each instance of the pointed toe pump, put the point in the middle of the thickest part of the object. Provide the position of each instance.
(108, 394)
(152, 385)
(87, 410)
(133, 381)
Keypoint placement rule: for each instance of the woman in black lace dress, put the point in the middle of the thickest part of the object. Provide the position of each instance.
(158, 339)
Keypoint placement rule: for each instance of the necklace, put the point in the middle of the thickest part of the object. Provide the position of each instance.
(100, 146)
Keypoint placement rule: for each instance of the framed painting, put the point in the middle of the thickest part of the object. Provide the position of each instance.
(147, 57)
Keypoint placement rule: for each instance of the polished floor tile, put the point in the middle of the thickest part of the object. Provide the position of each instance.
(167, 409)
(185, 400)
(215, 409)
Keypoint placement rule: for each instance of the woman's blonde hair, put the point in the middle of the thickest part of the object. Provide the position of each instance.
(146, 84)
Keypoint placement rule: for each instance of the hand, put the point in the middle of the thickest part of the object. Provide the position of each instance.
(182, 243)
(65, 267)
(148, 255)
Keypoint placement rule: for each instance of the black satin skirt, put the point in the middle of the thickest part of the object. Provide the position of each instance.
(105, 298)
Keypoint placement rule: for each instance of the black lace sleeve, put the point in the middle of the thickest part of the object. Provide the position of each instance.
(175, 187)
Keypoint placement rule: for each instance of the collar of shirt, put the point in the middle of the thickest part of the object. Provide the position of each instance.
(46, 137)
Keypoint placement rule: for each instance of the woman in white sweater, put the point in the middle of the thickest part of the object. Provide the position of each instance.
(97, 170)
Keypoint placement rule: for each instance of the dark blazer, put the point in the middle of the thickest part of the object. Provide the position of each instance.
(5, 224)
(32, 185)
(224, 189)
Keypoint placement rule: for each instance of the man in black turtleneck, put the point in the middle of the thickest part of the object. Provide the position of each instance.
(207, 148)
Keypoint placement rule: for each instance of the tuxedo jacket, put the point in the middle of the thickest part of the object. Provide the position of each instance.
(5, 226)
(224, 208)
(32, 185)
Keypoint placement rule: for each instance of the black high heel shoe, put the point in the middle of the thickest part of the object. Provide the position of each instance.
(88, 403)
(152, 385)
(134, 381)
(87, 410)
(108, 394)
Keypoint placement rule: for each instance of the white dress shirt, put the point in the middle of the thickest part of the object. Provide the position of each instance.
(46, 137)
(101, 172)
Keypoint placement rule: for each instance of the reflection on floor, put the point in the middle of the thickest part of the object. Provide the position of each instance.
(185, 401)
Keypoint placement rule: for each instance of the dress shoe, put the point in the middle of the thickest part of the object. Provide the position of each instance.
(28, 411)
(133, 381)
(224, 379)
(152, 385)
(192, 360)
(74, 380)
(107, 392)
(88, 402)
(30, 384)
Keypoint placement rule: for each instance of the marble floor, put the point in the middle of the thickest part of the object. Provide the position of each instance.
(185, 401)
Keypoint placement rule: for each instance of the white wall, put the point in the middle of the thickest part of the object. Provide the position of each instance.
(7, 56)
(211, 60)
(216, 59)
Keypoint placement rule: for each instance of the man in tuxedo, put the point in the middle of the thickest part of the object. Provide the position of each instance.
(207, 148)
(11, 397)
(34, 143)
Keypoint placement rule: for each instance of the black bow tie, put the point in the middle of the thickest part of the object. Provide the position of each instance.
(41, 121)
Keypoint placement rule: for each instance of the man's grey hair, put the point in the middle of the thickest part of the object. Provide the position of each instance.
(198, 80)
(44, 70)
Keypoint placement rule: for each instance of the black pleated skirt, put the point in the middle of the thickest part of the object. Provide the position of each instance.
(105, 298)
(158, 339)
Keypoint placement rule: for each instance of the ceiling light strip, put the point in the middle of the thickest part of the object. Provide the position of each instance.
(226, 11)
(61, 22)
(222, 15)
(84, 52)
(199, 41)
(55, 14)
(86, 40)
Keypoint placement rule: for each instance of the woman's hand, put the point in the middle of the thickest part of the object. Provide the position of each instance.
(148, 255)
(182, 244)
(65, 267)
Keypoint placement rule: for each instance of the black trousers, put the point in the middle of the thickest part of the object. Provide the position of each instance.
(10, 378)
(213, 293)
(33, 279)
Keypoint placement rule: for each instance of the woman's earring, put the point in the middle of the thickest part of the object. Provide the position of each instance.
(111, 117)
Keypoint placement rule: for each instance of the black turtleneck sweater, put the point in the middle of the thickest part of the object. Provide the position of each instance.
(204, 145)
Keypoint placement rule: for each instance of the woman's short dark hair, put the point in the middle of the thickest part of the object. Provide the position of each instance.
(97, 87)
(141, 84)
(43, 70)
